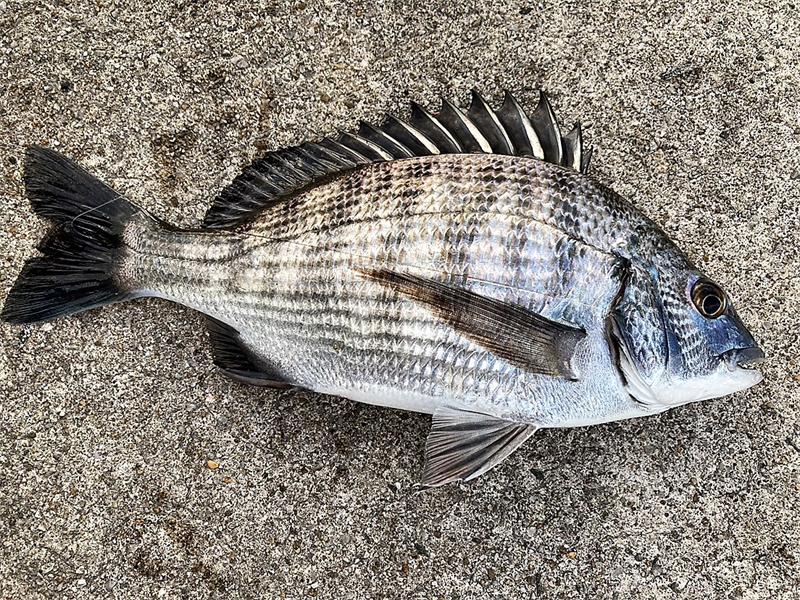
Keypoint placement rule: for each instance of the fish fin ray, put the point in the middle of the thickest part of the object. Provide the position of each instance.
(517, 335)
(414, 139)
(518, 125)
(586, 159)
(464, 443)
(80, 252)
(370, 150)
(572, 144)
(385, 140)
(546, 126)
(435, 130)
(237, 362)
(509, 130)
(489, 124)
(469, 136)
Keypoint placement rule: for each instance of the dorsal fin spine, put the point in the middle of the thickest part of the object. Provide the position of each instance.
(544, 121)
(364, 146)
(482, 114)
(465, 130)
(422, 116)
(384, 140)
(355, 157)
(419, 137)
(517, 123)
(573, 148)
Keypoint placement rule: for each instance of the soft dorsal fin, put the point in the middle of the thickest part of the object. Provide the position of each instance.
(481, 129)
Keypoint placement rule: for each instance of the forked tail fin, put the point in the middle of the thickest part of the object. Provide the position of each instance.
(81, 250)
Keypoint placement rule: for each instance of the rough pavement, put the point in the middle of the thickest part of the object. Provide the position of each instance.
(132, 469)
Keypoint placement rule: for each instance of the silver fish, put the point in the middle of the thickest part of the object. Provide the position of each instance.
(461, 264)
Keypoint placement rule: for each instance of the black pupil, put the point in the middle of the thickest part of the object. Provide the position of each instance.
(711, 304)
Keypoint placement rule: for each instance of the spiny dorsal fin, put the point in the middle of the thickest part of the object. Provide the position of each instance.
(508, 130)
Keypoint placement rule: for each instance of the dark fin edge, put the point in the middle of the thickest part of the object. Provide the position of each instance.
(508, 130)
(81, 250)
(237, 362)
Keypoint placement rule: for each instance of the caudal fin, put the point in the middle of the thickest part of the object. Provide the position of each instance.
(80, 251)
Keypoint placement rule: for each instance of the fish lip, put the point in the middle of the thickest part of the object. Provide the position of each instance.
(743, 358)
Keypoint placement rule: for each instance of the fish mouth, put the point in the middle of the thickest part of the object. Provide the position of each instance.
(743, 358)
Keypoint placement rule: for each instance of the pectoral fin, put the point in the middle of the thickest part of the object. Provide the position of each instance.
(464, 444)
(519, 336)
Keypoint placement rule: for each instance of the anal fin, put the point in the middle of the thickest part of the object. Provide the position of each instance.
(463, 444)
(239, 363)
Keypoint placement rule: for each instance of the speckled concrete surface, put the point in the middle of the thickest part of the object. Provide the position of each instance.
(112, 420)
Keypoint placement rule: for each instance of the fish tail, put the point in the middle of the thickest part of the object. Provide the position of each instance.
(82, 249)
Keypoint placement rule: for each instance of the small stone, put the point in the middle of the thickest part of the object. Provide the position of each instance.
(212, 464)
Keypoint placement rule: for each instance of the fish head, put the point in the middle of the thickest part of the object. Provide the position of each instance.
(679, 338)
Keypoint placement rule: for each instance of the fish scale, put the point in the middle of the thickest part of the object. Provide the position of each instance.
(461, 264)
(305, 280)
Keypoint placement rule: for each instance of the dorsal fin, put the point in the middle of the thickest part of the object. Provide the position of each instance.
(508, 130)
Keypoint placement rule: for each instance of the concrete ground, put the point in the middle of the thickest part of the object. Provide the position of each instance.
(130, 468)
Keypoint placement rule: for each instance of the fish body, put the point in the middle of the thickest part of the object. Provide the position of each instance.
(462, 265)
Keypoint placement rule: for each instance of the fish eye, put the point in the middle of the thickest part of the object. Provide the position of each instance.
(708, 298)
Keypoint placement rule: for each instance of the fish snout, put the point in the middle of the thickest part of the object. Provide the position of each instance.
(745, 358)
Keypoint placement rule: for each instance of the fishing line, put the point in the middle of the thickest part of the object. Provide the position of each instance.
(94, 208)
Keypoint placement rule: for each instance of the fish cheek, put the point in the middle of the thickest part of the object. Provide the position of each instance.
(637, 325)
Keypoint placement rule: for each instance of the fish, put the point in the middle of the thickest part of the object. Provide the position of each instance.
(462, 263)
